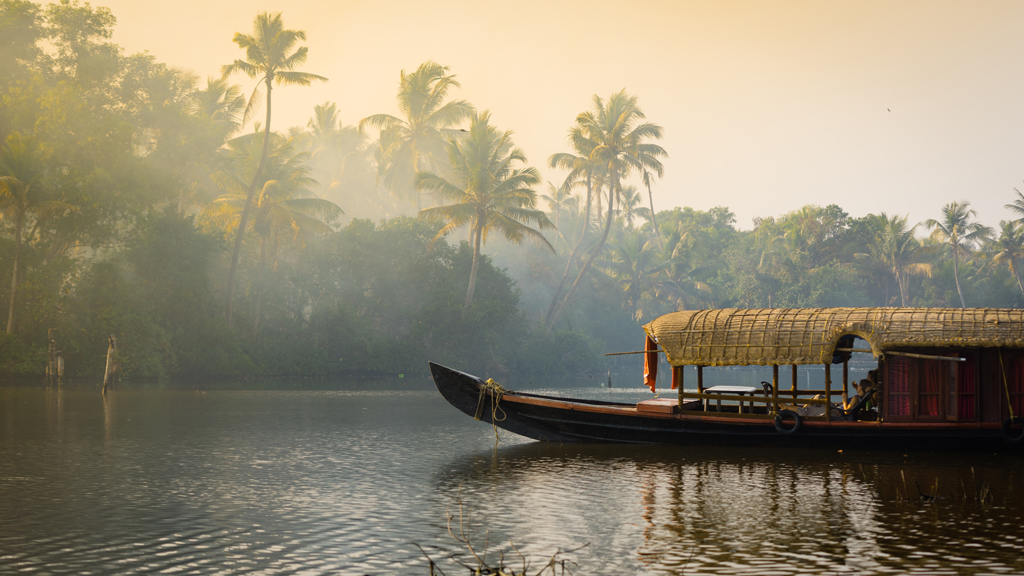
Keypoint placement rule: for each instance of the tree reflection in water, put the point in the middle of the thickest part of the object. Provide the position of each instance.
(748, 511)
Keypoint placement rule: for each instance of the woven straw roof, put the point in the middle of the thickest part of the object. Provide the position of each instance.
(730, 337)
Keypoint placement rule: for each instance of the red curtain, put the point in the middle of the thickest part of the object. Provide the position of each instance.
(931, 386)
(898, 384)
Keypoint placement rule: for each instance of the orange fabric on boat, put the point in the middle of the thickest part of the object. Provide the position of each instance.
(650, 364)
(677, 371)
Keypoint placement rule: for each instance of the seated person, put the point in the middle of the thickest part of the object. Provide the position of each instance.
(873, 378)
(863, 388)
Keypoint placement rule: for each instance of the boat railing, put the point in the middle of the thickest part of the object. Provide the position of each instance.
(773, 404)
(774, 397)
(719, 397)
(743, 398)
(810, 392)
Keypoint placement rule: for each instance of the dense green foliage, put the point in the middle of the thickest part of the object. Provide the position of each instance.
(123, 182)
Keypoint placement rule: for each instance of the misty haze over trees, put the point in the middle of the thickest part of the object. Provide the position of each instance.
(372, 245)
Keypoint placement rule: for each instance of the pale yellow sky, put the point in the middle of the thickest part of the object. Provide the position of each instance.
(766, 106)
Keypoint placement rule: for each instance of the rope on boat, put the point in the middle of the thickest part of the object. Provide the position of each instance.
(495, 391)
(1006, 386)
(1005, 429)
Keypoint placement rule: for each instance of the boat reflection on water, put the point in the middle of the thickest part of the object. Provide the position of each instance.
(745, 511)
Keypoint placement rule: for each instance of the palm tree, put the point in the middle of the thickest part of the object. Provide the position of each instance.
(631, 209)
(23, 196)
(1017, 206)
(778, 255)
(487, 192)
(327, 140)
(324, 128)
(408, 146)
(1009, 248)
(620, 145)
(269, 57)
(285, 206)
(896, 250)
(342, 162)
(681, 287)
(680, 284)
(635, 264)
(168, 94)
(872, 264)
(222, 103)
(957, 230)
(648, 180)
(805, 232)
(561, 199)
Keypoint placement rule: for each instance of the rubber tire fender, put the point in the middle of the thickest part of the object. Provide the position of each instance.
(1005, 429)
(797, 422)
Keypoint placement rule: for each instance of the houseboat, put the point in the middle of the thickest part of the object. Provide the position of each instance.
(945, 379)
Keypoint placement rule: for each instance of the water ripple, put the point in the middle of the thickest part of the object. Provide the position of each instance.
(342, 482)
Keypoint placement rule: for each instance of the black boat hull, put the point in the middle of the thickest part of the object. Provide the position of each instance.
(549, 419)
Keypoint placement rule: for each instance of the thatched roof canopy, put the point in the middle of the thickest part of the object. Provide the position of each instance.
(731, 337)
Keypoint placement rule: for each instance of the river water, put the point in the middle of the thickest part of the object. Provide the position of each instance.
(326, 479)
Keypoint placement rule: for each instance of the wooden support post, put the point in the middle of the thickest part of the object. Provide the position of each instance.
(793, 385)
(828, 392)
(109, 375)
(700, 385)
(677, 379)
(775, 389)
(846, 382)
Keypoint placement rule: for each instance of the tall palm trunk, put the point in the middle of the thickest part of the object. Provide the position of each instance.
(477, 236)
(654, 218)
(575, 250)
(259, 284)
(14, 273)
(1013, 267)
(956, 276)
(613, 190)
(244, 220)
(903, 289)
(415, 171)
(558, 214)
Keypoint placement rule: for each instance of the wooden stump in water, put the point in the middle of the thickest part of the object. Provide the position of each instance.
(54, 359)
(110, 374)
(51, 356)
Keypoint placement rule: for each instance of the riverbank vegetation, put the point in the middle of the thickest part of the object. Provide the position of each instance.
(140, 200)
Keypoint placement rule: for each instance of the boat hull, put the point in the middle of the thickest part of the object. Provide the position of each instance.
(549, 419)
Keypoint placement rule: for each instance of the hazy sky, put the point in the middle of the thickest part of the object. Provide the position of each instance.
(876, 106)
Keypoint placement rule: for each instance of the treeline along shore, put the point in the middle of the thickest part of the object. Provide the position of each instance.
(173, 212)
